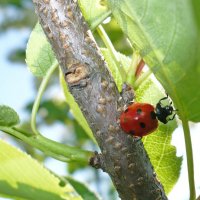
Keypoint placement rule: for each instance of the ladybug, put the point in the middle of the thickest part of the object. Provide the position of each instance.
(140, 119)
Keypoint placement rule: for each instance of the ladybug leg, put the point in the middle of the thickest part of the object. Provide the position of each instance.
(171, 105)
(170, 119)
(164, 98)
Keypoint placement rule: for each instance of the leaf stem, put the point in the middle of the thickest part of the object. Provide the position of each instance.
(141, 79)
(133, 67)
(112, 50)
(57, 150)
(190, 165)
(39, 96)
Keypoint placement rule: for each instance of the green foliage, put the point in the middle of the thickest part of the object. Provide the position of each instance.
(94, 11)
(166, 35)
(22, 15)
(162, 154)
(119, 39)
(8, 117)
(17, 3)
(17, 55)
(21, 177)
(39, 54)
(196, 9)
(82, 189)
(52, 111)
(65, 153)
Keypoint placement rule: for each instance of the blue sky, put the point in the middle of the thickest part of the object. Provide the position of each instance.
(15, 80)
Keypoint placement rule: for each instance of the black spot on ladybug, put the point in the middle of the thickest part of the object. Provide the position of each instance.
(153, 115)
(132, 132)
(139, 111)
(142, 125)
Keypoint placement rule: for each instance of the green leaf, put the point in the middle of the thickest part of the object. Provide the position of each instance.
(166, 35)
(158, 144)
(196, 8)
(126, 62)
(39, 54)
(82, 189)
(94, 11)
(21, 177)
(8, 117)
(75, 108)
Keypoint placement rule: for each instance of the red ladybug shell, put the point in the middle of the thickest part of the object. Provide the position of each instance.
(139, 119)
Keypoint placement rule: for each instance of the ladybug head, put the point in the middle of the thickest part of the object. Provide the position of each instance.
(168, 109)
(163, 112)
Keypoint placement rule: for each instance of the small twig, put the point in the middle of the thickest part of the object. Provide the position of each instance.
(54, 149)
(112, 50)
(141, 79)
(133, 68)
(39, 96)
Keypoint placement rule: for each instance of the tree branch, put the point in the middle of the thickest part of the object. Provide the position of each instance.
(90, 82)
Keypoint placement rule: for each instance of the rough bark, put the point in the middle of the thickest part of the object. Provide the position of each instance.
(122, 157)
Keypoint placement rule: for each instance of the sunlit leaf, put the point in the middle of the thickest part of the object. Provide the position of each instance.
(21, 177)
(82, 189)
(94, 11)
(39, 54)
(166, 35)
